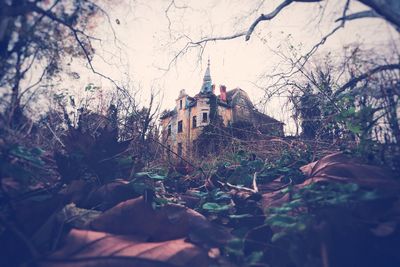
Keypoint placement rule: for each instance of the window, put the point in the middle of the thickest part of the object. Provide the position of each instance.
(180, 104)
(169, 130)
(194, 122)
(180, 149)
(180, 128)
(205, 117)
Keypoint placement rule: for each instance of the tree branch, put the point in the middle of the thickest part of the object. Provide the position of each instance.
(267, 17)
(359, 15)
(365, 75)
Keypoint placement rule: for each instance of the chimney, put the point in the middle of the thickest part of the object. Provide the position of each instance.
(182, 93)
(222, 90)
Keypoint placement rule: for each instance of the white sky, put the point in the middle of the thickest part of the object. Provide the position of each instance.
(146, 45)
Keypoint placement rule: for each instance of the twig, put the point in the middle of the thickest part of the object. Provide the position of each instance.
(55, 135)
(255, 187)
(243, 188)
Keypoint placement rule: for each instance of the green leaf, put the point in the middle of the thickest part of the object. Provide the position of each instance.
(156, 176)
(141, 174)
(235, 247)
(295, 203)
(286, 190)
(284, 169)
(354, 128)
(149, 175)
(197, 193)
(23, 153)
(281, 209)
(240, 216)
(220, 195)
(125, 160)
(351, 187)
(139, 187)
(37, 151)
(300, 226)
(215, 207)
(369, 195)
(254, 257)
(284, 221)
(278, 236)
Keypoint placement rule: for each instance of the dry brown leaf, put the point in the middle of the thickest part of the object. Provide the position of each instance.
(273, 199)
(89, 248)
(136, 217)
(341, 168)
(110, 194)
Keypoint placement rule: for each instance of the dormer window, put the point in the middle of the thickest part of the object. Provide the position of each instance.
(180, 104)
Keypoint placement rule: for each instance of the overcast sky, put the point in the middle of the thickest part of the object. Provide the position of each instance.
(149, 38)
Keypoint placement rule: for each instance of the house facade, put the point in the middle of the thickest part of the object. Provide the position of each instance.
(182, 125)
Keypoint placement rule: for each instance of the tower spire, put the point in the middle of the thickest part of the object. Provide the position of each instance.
(207, 82)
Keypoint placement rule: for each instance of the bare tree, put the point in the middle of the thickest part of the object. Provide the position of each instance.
(41, 34)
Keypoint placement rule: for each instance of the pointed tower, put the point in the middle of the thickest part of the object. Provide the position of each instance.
(207, 82)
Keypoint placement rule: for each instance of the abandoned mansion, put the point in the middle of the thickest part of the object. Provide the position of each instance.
(183, 125)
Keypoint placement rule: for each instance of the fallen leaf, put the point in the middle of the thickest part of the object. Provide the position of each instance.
(109, 195)
(342, 168)
(171, 221)
(89, 248)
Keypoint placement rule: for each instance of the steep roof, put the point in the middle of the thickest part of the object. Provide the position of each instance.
(233, 95)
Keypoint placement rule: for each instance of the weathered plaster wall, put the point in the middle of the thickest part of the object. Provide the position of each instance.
(243, 110)
(198, 110)
(226, 114)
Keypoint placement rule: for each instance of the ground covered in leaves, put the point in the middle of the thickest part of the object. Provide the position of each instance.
(240, 210)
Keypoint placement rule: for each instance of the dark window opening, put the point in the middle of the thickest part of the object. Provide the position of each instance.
(180, 149)
(180, 128)
(180, 104)
(169, 130)
(194, 122)
(205, 117)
